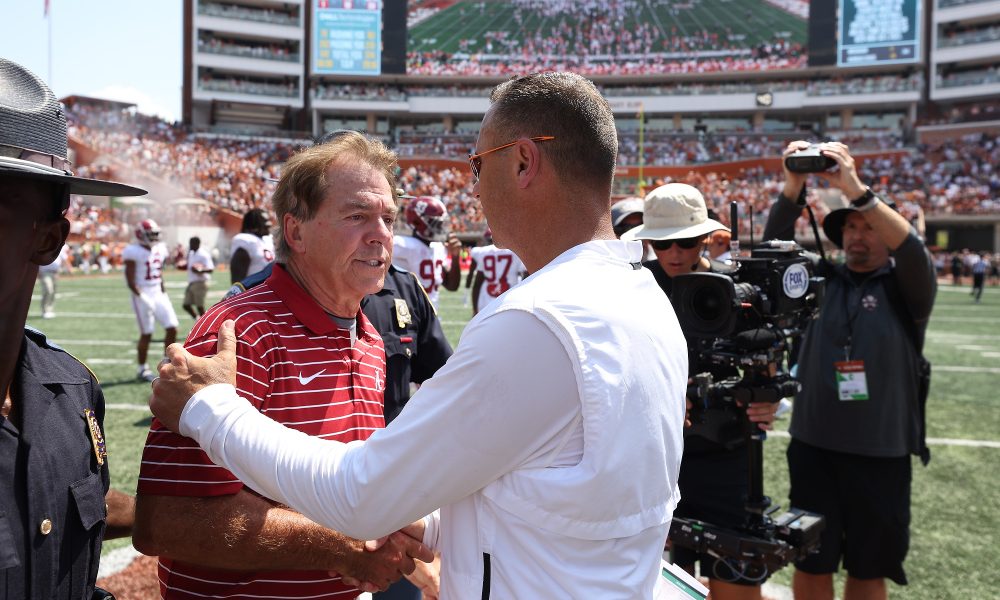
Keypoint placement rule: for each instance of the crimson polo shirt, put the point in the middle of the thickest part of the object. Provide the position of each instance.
(297, 366)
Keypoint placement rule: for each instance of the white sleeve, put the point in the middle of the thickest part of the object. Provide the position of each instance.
(508, 398)
(129, 253)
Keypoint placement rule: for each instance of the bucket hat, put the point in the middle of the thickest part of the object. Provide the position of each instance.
(33, 140)
(672, 212)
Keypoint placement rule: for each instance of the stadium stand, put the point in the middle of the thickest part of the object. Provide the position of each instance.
(593, 37)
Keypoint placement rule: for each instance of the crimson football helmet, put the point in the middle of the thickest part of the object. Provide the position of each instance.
(426, 216)
(147, 231)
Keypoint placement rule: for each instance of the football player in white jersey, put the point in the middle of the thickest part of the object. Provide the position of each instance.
(494, 270)
(253, 248)
(144, 260)
(423, 254)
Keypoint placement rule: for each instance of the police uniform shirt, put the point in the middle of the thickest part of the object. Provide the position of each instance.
(52, 506)
(415, 345)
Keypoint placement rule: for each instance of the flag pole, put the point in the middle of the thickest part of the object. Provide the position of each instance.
(642, 151)
(48, 18)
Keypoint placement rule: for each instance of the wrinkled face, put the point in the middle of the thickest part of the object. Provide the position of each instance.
(676, 259)
(346, 248)
(865, 251)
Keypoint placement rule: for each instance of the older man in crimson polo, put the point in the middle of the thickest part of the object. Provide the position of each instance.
(308, 358)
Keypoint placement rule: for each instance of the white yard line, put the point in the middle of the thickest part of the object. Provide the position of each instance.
(116, 560)
(127, 406)
(930, 441)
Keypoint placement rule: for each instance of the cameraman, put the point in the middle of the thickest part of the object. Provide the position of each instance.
(857, 417)
(713, 476)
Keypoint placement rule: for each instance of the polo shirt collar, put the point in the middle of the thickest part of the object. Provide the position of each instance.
(299, 302)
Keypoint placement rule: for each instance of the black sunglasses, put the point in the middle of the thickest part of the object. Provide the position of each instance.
(686, 243)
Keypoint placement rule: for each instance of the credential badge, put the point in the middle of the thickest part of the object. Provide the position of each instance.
(403, 316)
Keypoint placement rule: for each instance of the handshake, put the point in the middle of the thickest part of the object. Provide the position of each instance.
(397, 555)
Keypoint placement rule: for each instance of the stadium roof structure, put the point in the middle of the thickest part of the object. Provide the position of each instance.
(75, 99)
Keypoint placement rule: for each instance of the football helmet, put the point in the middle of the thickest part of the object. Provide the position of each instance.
(488, 235)
(426, 216)
(147, 231)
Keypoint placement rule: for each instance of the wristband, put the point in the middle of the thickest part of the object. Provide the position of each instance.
(866, 201)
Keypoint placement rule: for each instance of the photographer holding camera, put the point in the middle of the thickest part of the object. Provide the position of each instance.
(713, 476)
(859, 413)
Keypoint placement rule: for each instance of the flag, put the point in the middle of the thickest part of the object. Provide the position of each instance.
(46, 8)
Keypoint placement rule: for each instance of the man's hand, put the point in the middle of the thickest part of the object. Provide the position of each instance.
(389, 558)
(793, 181)
(762, 413)
(454, 246)
(182, 374)
(427, 578)
(845, 177)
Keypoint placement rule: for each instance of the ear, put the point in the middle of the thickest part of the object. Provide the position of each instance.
(293, 233)
(529, 160)
(49, 240)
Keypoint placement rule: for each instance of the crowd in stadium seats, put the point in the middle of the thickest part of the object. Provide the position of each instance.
(247, 13)
(437, 144)
(670, 148)
(353, 91)
(232, 173)
(970, 77)
(286, 88)
(956, 176)
(602, 38)
(812, 87)
(269, 51)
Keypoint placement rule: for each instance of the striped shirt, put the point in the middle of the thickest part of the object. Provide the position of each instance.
(297, 366)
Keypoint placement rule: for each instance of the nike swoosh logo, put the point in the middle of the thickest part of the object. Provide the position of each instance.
(306, 380)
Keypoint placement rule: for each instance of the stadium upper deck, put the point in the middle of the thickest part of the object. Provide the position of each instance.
(249, 64)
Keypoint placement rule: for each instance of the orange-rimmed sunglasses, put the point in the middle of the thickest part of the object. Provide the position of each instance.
(476, 160)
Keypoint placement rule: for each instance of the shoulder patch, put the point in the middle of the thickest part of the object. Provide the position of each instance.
(237, 288)
(420, 287)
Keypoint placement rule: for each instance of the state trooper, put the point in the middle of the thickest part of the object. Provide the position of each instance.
(55, 501)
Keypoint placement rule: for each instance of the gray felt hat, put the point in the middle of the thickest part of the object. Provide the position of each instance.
(33, 141)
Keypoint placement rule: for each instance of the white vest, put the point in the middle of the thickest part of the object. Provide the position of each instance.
(598, 527)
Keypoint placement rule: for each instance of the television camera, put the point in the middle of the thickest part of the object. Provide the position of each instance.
(743, 321)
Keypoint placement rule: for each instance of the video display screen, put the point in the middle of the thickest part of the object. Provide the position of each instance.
(347, 37)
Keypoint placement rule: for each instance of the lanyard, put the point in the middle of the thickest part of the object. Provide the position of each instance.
(851, 316)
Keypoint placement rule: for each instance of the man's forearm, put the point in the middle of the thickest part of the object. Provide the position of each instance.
(781, 218)
(121, 514)
(453, 277)
(242, 532)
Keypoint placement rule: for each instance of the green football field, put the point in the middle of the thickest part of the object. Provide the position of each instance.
(956, 500)
(745, 23)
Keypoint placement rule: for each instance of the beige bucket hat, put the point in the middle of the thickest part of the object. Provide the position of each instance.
(674, 211)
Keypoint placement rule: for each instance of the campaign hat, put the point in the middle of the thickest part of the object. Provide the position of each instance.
(33, 136)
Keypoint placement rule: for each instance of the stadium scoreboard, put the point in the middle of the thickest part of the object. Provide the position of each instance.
(878, 32)
(347, 37)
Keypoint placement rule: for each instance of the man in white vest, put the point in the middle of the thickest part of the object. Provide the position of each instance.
(556, 482)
